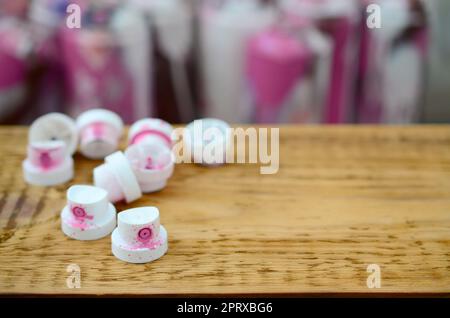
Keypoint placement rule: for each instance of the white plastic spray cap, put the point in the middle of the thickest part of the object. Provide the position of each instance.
(88, 215)
(139, 237)
(100, 131)
(53, 127)
(117, 177)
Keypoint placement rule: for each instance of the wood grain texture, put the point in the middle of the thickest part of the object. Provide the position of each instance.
(344, 197)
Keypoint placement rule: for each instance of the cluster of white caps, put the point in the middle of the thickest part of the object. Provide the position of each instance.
(144, 167)
(89, 214)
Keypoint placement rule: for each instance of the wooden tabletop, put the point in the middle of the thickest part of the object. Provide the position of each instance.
(344, 198)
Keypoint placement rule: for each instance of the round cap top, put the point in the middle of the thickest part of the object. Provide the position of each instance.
(54, 127)
(202, 127)
(100, 115)
(86, 194)
(148, 126)
(138, 216)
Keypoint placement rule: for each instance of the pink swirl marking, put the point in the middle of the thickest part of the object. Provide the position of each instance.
(80, 213)
(144, 235)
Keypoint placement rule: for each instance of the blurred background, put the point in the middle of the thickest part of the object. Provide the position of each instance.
(243, 61)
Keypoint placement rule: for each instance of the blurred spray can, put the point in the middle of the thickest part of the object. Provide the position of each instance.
(46, 17)
(225, 27)
(285, 69)
(172, 23)
(15, 49)
(392, 64)
(338, 20)
(107, 60)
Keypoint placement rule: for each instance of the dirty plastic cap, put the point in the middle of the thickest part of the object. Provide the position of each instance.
(47, 164)
(117, 177)
(139, 225)
(37, 176)
(53, 127)
(88, 215)
(46, 154)
(100, 131)
(139, 254)
(211, 132)
(152, 163)
(139, 237)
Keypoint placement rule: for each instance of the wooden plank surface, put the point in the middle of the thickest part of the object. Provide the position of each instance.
(344, 197)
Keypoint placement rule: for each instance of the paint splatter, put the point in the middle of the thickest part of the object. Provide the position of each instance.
(80, 213)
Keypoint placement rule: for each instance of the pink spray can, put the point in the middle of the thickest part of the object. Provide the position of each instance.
(276, 64)
(107, 60)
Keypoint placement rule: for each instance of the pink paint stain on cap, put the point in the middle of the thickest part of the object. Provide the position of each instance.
(80, 213)
(139, 225)
(139, 237)
(152, 163)
(87, 202)
(88, 214)
(55, 127)
(52, 140)
(97, 71)
(100, 131)
(144, 235)
(195, 138)
(47, 155)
